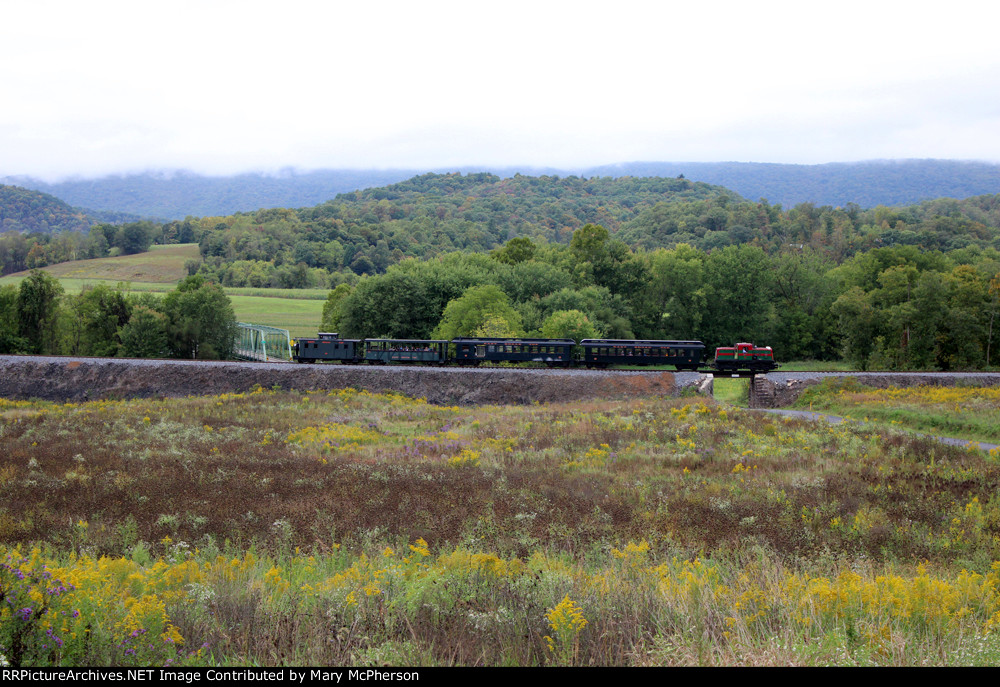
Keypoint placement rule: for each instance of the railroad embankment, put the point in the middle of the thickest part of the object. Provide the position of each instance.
(78, 379)
(779, 389)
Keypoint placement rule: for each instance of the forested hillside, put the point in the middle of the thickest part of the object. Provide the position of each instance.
(31, 211)
(367, 231)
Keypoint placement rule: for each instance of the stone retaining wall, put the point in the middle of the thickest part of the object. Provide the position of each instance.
(63, 379)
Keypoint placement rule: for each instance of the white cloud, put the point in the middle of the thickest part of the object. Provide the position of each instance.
(224, 86)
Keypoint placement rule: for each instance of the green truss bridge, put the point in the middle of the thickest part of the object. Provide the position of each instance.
(262, 343)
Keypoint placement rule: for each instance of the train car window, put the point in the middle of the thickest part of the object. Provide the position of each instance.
(480, 351)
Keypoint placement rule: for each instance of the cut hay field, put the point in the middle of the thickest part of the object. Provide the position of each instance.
(163, 265)
(159, 271)
(279, 528)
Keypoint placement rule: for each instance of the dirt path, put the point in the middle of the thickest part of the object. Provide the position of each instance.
(836, 419)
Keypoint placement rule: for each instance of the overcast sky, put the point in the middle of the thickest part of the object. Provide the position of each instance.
(99, 87)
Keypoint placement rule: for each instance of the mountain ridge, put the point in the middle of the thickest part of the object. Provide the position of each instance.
(175, 194)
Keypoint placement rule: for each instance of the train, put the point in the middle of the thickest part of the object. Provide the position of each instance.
(473, 351)
(744, 356)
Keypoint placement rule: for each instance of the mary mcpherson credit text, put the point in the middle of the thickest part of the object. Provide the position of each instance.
(299, 676)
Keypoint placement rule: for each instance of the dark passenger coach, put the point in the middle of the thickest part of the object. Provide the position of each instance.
(552, 352)
(684, 355)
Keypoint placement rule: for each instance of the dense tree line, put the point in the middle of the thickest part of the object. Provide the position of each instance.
(897, 307)
(195, 320)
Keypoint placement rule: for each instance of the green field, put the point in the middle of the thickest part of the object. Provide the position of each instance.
(299, 316)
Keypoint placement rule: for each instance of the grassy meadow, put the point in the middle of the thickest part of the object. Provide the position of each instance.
(278, 528)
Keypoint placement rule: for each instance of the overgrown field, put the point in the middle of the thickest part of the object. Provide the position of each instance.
(354, 528)
(964, 412)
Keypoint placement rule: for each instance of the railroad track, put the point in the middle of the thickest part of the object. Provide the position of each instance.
(487, 367)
